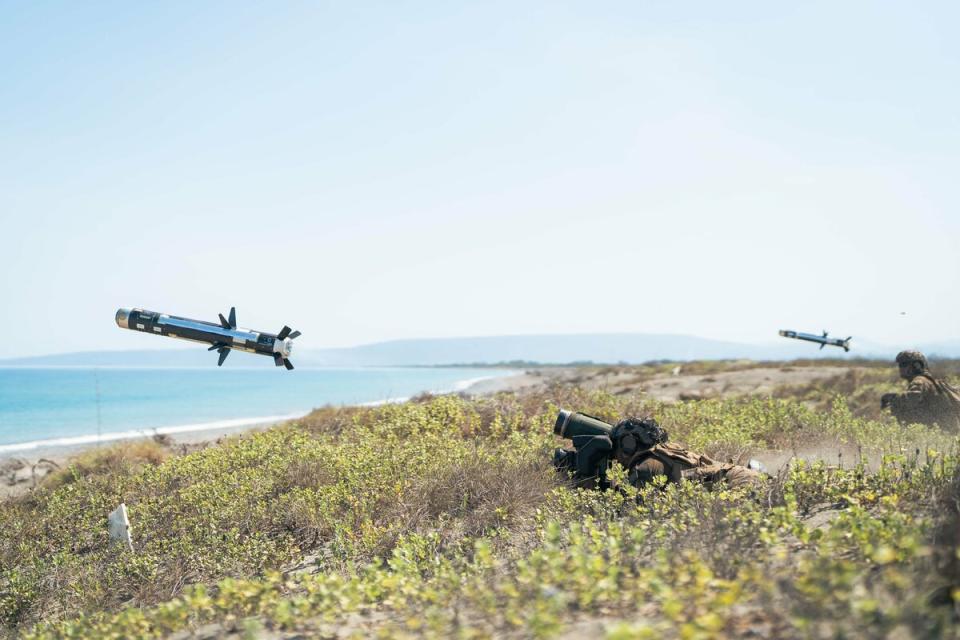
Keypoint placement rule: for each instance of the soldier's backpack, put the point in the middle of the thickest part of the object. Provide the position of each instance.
(950, 397)
(672, 453)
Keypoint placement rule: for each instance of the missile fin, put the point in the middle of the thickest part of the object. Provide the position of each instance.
(295, 334)
(277, 359)
(822, 345)
(284, 333)
(233, 317)
(224, 352)
(223, 322)
(288, 364)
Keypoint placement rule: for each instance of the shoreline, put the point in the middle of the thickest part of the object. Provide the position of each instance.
(60, 450)
(70, 442)
(664, 386)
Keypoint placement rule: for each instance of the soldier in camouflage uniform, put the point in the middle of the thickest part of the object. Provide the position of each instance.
(672, 461)
(642, 447)
(927, 400)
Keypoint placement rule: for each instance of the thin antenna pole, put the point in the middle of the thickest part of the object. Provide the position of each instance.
(96, 379)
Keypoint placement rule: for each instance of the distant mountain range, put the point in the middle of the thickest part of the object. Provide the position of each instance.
(630, 348)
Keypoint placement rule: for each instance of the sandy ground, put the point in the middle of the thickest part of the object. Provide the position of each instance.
(678, 386)
(20, 472)
(670, 387)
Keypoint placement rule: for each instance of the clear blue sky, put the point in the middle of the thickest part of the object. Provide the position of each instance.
(370, 171)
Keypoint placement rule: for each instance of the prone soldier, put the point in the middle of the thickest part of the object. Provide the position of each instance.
(644, 450)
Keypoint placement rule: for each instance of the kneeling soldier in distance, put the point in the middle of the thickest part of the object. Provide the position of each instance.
(928, 400)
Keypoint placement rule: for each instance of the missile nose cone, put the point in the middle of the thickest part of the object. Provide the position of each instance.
(123, 316)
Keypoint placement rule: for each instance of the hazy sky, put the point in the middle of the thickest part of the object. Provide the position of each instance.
(368, 171)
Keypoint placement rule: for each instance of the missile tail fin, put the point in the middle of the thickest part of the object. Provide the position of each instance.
(295, 334)
(288, 364)
(224, 352)
(231, 322)
(278, 359)
(822, 345)
(284, 333)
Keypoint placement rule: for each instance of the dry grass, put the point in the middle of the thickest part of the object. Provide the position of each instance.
(475, 496)
(331, 420)
(119, 459)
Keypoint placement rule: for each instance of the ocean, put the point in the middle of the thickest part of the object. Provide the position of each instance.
(41, 407)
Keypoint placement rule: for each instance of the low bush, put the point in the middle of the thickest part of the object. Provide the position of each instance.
(119, 459)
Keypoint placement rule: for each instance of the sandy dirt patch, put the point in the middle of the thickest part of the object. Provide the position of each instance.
(667, 387)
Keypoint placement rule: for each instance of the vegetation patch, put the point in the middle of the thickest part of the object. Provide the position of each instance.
(443, 517)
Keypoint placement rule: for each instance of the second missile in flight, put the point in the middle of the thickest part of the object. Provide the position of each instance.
(823, 340)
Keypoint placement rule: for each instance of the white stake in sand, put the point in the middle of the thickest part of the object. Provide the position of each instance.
(119, 526)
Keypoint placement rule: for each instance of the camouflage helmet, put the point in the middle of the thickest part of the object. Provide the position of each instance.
(915, 358)
(634, 435)
(908, 357)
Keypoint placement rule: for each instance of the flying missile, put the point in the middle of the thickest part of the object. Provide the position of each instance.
(221, 337)
(823, 340)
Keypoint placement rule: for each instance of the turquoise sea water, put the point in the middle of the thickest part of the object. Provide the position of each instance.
(56, 406)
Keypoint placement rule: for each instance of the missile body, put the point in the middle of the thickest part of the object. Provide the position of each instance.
(823, 340)
(221, 337)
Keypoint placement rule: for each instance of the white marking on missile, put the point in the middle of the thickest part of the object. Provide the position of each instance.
(283, 347)
(157, 329)
(139, 326)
